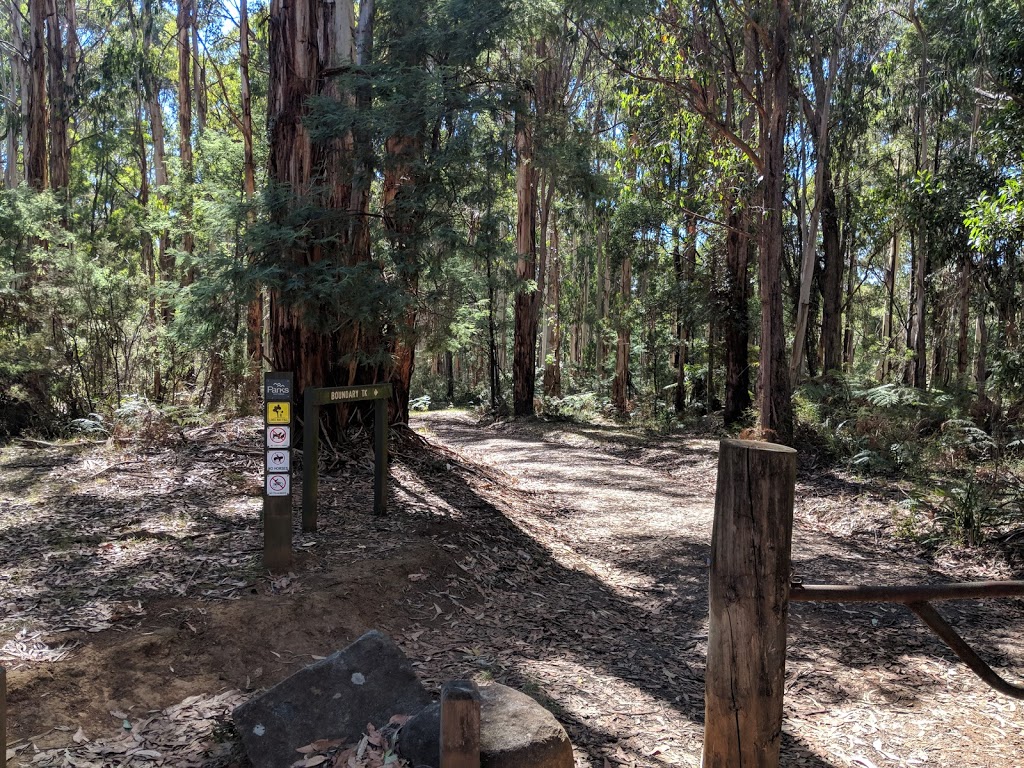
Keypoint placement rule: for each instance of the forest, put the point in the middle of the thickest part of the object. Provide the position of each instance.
(586, 244)
(768, 211)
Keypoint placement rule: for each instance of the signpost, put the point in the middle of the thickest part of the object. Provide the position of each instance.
(313, 399)
(278, 388)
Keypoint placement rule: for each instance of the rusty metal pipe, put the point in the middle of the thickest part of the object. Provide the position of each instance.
(949, 636)
(906, 594)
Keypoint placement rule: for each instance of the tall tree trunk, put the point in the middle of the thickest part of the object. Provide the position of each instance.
(402, 216)
(36, 130)
(198, 75)
(18, 94)
(306, 38)
(525, 336)
(604, 290)
(918, 362)
(775, 390)
(184, 40)
(553, 370)
(737, 318)
(888, 331)
(61, 71)
(849, 246)
(685, 267)
(963, 319)
(493, 366)
(620, 384)
(254, 309)
(981, 357)
(831, 280)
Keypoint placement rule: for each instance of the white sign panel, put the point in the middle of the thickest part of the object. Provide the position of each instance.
(278, 461)
(279, 437)
(279, 485)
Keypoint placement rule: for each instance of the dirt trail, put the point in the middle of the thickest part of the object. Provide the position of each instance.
(569, 561)
(866, 684)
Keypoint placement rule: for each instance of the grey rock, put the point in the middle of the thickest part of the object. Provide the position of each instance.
(515, 732)
(367, 682)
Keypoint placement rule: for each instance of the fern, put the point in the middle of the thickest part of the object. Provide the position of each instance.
(893, 396)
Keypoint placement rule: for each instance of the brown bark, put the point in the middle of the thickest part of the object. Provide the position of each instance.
(36, 129)
(775, 389)
(751, 543)
(402, 221)
(308, 37)
(61, 71)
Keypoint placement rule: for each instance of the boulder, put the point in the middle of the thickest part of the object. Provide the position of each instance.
(515, 732)
(367, 682)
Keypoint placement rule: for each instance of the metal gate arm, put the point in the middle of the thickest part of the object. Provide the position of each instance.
(906, 594)
(944, 630)
(916, 598)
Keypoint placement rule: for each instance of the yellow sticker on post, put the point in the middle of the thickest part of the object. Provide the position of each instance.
(279, 413)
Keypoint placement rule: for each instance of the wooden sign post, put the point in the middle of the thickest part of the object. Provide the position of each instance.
(751, 545)
(278, 389)
(315, 397)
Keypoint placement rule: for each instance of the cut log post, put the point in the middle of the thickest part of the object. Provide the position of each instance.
(749, 594)
(460, 725)
(3, 714)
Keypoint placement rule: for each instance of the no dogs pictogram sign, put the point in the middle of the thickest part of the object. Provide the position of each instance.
(279, 437)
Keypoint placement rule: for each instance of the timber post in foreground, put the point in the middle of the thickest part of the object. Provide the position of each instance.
(751, 545)
(3, 714)
(460, 725)
(313, 399)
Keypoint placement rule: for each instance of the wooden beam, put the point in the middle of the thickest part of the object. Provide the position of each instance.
(750, 568)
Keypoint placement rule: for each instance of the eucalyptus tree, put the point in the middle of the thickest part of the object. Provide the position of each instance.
(730, 65)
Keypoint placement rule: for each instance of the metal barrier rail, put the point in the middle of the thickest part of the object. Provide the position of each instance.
(916, 599)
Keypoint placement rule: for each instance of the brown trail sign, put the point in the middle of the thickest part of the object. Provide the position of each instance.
(313, 399)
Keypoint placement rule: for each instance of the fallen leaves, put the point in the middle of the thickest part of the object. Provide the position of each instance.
(374, 750)
(29, 646)
(191, 734)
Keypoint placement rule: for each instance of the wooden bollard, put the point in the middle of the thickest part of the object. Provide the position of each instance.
(460, 725)
(751, 545)
(3, 714)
